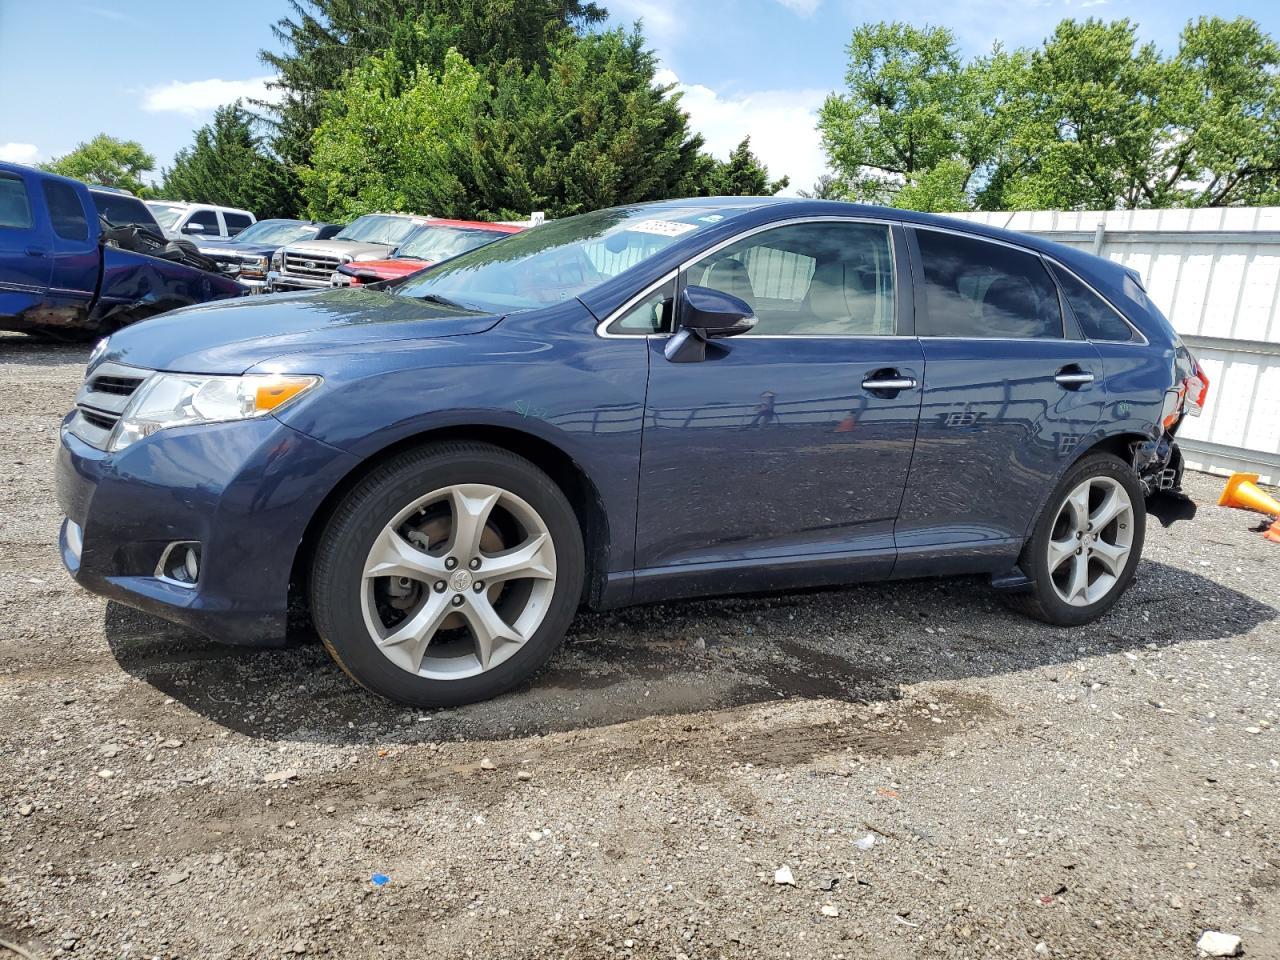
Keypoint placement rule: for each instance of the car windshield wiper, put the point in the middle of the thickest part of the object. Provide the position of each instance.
(445, 302)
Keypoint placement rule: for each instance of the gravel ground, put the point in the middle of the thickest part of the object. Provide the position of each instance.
(938, 776)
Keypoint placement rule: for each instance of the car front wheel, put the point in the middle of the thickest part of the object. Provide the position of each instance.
(1086, 543)
(448, 575)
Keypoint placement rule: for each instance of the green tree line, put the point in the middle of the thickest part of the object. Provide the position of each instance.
(490, 109)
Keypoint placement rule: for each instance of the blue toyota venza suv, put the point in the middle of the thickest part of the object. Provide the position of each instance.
(665, 400)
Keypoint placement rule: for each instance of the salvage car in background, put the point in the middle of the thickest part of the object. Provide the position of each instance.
(431, 243)
(310, 264)
(200, 220)
(664, 400)
(247, 256)
(64, 274)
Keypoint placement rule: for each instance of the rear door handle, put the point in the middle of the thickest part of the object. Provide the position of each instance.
(36, 251)
(889, 383)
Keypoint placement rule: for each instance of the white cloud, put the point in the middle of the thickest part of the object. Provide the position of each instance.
(782, 125)
(19, 152)
(200, 96)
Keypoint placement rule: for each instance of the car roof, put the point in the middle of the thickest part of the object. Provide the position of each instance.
(188, 205)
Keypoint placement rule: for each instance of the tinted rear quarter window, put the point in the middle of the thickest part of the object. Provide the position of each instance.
(1098, 320)
(123, 211)
(65, 211)
(979, 289)
(15, 207)
(207, 219)
(236, 222)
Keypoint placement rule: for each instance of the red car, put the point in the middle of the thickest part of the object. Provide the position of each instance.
(432, 242)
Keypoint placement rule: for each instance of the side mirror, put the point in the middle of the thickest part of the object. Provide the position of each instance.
(707, 314)
(192, 228)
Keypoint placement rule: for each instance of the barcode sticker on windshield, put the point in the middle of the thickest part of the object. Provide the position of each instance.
(663, 228)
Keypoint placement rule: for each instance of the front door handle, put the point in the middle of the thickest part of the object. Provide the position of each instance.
(1073, 376)
(878, 382)
(36, 251)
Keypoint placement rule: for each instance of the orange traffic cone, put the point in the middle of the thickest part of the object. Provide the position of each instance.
(1242, 491)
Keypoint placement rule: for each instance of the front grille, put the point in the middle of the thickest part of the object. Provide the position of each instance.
(102, 399)
(124, 386)
(309, 266)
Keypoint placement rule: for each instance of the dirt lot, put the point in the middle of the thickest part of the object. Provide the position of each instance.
(1109, 792)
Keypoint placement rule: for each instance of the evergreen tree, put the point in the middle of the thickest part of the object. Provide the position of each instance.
(227, 164)
(324, 40)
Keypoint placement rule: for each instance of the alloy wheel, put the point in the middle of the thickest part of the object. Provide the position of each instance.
(458, 580)
(1091, 540)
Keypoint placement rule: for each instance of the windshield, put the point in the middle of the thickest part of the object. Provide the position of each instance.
(561, 259)
(378, 228)
(434, 244)
(276, 231)
(167, 215)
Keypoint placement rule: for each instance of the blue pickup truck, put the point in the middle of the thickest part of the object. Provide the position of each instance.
(66, 273)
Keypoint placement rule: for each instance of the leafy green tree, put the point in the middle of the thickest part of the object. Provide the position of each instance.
(324, 40)
(911, 104)
(382, 146)
(228, 164)
(589, 129)
(106, 160)
(742, 175)
(826, 187)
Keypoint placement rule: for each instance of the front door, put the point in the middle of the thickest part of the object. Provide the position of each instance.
(781, 458)
(1010, 392)
(25, 250)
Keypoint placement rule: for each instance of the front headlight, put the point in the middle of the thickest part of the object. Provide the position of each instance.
(277, 259)
(95, 354)
(180, 400)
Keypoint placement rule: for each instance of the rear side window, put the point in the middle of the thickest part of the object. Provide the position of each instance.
(976, 289)
(207, 219)
(15, 208)
(65, 211)
(236, 222)
(1098, 320)
(121, 211)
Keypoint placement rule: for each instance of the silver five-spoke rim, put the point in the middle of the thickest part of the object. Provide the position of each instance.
(458, 581)
(1090, 541)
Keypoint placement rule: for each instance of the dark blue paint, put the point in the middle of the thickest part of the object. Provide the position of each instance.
(78, 286)
(766, 465)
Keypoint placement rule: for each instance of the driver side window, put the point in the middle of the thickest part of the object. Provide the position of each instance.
(827, 278)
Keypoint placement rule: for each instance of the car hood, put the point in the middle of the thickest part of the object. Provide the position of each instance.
(232, 336)
(239, 249)
(333, 247)
(391, 268)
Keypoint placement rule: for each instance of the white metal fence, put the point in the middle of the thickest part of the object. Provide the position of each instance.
(1215, 273)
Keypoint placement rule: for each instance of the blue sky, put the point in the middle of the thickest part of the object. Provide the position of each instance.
(153, 70)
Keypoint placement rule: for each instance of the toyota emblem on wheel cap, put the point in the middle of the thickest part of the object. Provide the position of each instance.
(461, 580)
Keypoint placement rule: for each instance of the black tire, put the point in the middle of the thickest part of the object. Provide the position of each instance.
(338, 563)
(1043, 601)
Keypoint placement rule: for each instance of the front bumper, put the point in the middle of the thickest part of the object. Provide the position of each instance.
(244, 491)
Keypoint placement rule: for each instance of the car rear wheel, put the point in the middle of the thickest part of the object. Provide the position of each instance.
(1086, 543)
(448, 575)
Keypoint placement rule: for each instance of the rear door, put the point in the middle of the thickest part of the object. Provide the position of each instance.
(73, 279)
(25, 247)
(1010, 391)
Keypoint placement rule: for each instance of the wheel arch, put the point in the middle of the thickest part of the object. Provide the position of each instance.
(564, 471)
(1117, 444)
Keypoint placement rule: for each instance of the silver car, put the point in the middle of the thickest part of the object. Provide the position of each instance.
(309, 265)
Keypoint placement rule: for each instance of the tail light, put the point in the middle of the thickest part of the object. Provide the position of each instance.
(1197, 389)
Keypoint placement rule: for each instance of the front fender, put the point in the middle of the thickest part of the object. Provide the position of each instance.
(135, 286)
